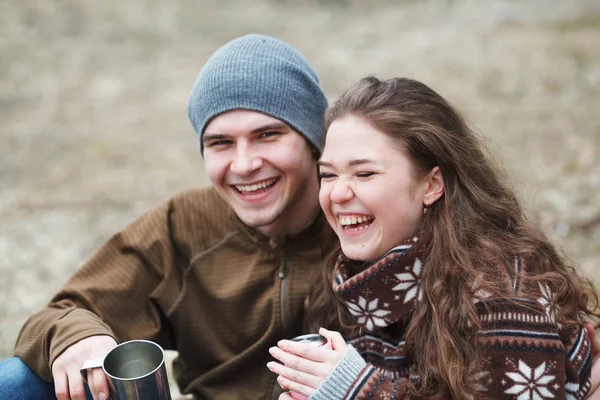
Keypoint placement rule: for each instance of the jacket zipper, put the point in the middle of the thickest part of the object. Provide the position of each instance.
(282, 307)
(276, 391)
(284, 293)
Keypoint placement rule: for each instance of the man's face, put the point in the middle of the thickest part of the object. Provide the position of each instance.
(263, 169)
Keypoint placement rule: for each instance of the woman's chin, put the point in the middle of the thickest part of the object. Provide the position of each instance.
(360, 254)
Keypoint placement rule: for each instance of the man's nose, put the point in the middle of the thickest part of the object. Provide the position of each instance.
(245, 162)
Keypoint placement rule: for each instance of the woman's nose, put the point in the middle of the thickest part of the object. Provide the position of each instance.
(341, 191)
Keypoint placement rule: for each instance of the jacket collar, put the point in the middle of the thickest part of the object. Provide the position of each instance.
(316, 232)
(386, 291)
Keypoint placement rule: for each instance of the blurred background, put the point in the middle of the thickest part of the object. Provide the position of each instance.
(94, 128)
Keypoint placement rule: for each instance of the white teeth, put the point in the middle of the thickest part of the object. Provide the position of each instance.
(355, 220)
(256, 186)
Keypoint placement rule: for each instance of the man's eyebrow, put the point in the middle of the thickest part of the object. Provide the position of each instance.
(213, 136)
(269, 127)
(351, 163)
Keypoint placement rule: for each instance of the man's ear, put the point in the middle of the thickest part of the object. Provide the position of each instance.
(316, 153)
(435, 186)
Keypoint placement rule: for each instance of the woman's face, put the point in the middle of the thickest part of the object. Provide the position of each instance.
(367, 190)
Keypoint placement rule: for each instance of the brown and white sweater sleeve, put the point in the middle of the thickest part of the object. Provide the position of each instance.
(522, 356)
(354, 378)
(527, 355)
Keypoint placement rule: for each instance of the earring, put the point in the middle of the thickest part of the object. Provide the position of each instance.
(425, 209)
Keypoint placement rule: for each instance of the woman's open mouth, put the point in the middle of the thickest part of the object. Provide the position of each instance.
(355, 223)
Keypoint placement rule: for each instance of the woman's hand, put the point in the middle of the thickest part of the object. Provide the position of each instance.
(305, 367)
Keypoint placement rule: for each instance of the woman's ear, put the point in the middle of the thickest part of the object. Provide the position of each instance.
(435, 186)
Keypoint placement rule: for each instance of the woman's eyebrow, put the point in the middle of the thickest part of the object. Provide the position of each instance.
(361, 161)
(351, 163)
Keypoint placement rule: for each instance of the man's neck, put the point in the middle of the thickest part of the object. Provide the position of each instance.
(292, 225)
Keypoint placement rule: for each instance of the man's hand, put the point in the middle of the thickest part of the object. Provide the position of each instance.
(68, 383)
(594, 393)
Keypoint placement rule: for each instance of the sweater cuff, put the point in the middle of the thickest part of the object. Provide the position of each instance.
(342, 377)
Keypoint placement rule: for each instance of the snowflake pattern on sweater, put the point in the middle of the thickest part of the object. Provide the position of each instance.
(525, 354)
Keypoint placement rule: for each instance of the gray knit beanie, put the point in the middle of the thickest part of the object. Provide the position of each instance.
(264, 74)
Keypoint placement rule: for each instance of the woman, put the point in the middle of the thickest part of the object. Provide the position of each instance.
(442, 286)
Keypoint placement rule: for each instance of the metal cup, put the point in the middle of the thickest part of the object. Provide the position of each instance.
(312, 339)
(135, 370)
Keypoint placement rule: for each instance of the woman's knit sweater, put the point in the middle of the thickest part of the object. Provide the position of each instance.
(525, 354)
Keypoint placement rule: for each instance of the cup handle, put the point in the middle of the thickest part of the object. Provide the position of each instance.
(89, 364)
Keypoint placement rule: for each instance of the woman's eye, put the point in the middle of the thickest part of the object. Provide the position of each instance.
(325, 175)
(364, 174)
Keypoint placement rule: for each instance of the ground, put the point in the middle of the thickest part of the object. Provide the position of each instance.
(93, 100)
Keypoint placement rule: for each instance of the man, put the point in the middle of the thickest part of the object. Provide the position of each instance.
(218, 274)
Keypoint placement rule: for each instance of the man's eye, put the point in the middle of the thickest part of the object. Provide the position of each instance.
(218, 143)
(364, 174)
(269, 134)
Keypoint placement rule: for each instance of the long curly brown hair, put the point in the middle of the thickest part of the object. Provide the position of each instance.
(477, 226)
